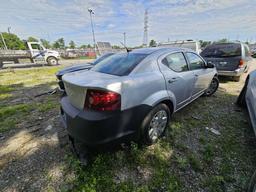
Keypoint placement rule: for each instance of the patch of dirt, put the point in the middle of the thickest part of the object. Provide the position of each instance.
(31, 158)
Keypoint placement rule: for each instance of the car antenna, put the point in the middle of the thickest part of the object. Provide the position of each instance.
(127, 50)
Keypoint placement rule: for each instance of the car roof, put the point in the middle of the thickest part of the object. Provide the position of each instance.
(158, 49)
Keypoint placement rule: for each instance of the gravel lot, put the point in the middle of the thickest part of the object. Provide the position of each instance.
(33, 156)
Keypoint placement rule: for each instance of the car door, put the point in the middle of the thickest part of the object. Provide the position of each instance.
(179, 80)
(37, 52)
(202, 78)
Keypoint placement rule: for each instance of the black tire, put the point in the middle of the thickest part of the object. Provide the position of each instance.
(146, 124)
(52, 61)
(241, 98)
(213, 87)
(252, 184)
(237, 78)
(1, 65)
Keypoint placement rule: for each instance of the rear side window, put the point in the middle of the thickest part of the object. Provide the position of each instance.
(195, 61)
(222, 50)
(119, 64)
(176, 62)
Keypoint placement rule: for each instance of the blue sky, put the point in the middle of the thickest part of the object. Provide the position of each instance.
(176, 20)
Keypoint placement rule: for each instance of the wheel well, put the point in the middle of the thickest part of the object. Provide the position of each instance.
(50, 57)
(169, 104)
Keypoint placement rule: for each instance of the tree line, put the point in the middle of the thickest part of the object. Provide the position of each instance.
(13, 42)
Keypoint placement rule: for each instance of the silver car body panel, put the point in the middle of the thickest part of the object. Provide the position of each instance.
(250, 98)
(146, 84)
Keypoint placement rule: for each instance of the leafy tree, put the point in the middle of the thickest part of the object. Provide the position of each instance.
(72, 44)
(59, 44)
(204, 43)
(32, 39)
(116, 47)
(224, 40)
(12, 42)
(152, 43)
(45, 43)
(83, 46)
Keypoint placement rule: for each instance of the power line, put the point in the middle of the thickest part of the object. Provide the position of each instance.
(145, 36)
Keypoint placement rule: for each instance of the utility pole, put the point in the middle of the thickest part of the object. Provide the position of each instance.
(93, 35)
(145, 36)
(3, 41)
(9, 30)
(124, 39)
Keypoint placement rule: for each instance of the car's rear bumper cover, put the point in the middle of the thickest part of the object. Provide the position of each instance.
(237, 72)
(96, 128)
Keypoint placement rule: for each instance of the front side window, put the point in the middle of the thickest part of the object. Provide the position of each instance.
(195, 61)
(176, 62)
(35, 46)
(119, 64)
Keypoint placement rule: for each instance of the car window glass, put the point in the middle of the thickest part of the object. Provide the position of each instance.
(119, 64)
(195, 61)
(222, 50)
(35, 46)
(176, 62)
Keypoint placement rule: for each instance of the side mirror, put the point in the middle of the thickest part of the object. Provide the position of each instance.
(210, 64)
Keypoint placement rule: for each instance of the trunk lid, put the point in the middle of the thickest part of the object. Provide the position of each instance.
(225, 64)
(77, 83)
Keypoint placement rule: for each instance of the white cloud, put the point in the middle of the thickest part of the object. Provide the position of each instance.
(167, 18)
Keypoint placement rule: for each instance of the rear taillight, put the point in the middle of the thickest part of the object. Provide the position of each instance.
(102, 100)
(241, 63)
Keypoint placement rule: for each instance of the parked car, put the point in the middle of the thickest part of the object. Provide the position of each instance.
(132, 95)
(230, 59)
(84, 66)
(253, 52)
(247, 99)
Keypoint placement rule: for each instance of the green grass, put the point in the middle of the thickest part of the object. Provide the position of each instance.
(11, 115)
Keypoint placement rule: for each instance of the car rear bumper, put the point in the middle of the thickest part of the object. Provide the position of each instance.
(237, 72)
(96, 128)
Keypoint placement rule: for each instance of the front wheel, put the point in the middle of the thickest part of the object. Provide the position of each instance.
(52, 61)
(155, 124)
(213, 87)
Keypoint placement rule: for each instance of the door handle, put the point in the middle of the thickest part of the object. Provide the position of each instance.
(172, 80)
(196, 75)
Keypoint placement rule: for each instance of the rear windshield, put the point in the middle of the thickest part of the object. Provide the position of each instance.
(102, 58)
(119, 64)
(222, 50)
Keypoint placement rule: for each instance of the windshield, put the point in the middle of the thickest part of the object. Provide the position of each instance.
(119, 64)
(96, 61)
(222, 50)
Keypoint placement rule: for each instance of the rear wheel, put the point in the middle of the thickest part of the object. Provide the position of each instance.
(236, 78)
(241, 98)
(155, 124)
(52, 61)
(213, 87)
(1, 64)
